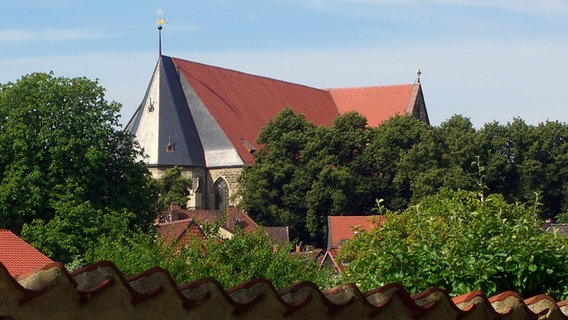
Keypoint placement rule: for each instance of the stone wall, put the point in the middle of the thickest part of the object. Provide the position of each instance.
(231, 176)
(202, 194)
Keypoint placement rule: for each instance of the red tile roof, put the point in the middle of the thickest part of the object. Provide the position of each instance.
(100, 291)
(235, 106)
(173, 222)
(377, 104)
(330, 261)
(241, 218)
(341, 228)
(18, 256)
(178, 231)
(243, 103)
(280, 235)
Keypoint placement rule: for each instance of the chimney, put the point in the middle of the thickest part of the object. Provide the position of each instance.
(230, 223)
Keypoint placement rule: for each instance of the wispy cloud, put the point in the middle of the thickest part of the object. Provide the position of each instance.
(49, 35)
(542, 7)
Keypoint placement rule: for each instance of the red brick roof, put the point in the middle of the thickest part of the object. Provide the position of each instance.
(280, 235)
(178, 231)
(341, 228)
(101, 291)
(18, 256)
(377, 104)
(243, 103)
(173, 222)
(241, 218)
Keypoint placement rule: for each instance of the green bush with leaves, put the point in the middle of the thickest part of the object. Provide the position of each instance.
(230, 261)
(460, 242)
(68, 172)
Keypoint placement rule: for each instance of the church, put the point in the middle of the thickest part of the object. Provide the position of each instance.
(206, 119)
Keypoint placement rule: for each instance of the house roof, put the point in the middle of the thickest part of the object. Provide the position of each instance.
(18, 256)
(176, 231)
(342, 228)
(280, 235)
(101, 291)
(329, 260)
(224, 110)
(172, 222)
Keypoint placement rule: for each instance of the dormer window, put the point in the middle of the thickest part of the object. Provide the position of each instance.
(150, 105)
(250, 148)
(170, 147)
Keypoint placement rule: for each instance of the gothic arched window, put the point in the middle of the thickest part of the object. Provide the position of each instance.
(221, 191)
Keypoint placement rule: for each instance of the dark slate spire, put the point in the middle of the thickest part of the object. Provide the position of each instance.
(163, 124)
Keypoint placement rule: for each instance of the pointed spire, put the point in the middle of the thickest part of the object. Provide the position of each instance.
(160, 22)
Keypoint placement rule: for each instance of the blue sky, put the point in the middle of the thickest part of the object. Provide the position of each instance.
(484, 59)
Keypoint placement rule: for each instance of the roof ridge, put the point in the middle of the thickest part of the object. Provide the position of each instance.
(179, 221)
(372, 86)
(237, 72)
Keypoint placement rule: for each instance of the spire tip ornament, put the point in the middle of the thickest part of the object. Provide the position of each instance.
(160, 22)
(418, 73)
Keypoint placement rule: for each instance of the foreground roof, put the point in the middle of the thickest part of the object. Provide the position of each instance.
(100, 291)
(17, 255)
(211, 116)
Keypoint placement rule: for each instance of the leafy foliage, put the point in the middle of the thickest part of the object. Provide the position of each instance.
(305, 173)
(67, 173)
(173, 187)
(231, 261)
(456, 241)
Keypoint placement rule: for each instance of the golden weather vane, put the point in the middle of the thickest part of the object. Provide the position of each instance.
(160, 22)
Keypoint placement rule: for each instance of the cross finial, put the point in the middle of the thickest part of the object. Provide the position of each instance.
(418, 73)
(160, 22)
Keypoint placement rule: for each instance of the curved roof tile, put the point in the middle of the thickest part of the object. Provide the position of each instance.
(100, 291)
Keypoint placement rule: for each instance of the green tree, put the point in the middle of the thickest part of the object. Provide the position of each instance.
(304, 173)
(545, 167)
(499, 158)
(521, 159)
(67, 171)
(389, 146)
(273, 190)
(231, 261)
(173, 187)
(343, 173)
(443, 157)
(460, 242)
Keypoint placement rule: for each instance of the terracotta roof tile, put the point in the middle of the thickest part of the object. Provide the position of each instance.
(176, 231)
(377, 103)
(100, 291)
(242, 103)
(280, 235)
(340, 228)
(173, 222)
(18, 256)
